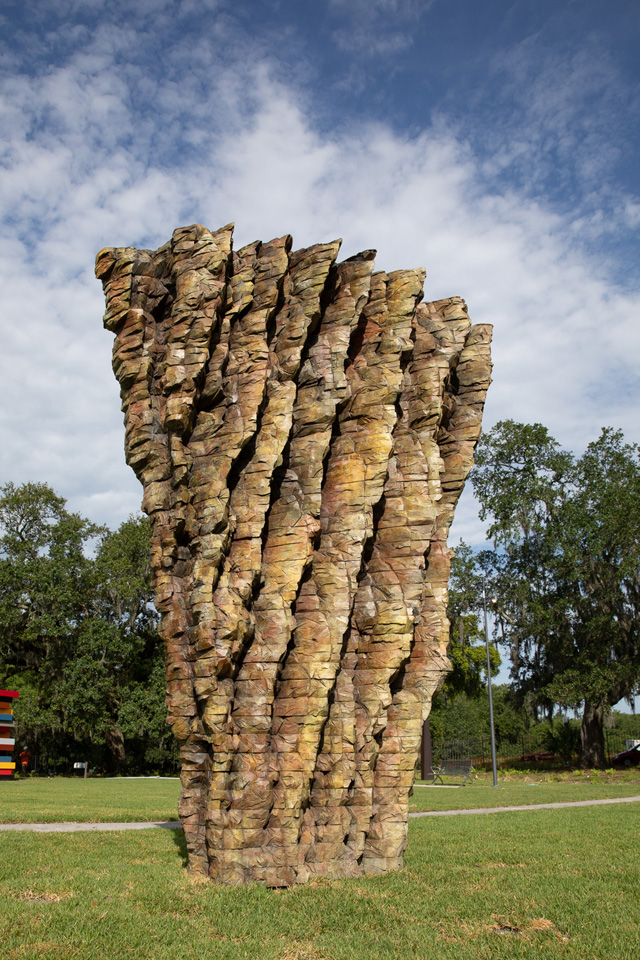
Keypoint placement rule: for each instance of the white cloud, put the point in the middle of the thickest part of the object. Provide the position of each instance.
(224, 140)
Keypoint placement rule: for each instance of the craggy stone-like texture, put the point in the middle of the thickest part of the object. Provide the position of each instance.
(303, 429)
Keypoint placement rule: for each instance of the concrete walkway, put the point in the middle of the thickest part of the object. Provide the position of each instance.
(84, 827)
(531, 806)
(175, 824)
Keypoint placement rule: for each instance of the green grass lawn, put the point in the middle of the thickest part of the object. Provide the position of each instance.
(557, 883)
(525, 790)
(36, 800)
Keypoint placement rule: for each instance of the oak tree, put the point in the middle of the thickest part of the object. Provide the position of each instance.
(565, 567)
(78, 633)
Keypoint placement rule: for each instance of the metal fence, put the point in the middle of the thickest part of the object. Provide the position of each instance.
(615, 741)
(528, 747)
(536, 746)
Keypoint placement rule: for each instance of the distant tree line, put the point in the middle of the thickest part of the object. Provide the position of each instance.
(78, 628)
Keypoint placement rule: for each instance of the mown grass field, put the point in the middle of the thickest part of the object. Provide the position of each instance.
(118, 800)
(35, 800)
(555, 883)
(524, 789)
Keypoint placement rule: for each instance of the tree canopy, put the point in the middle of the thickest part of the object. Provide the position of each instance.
(467, 649)
(78, 633)
(565, 567)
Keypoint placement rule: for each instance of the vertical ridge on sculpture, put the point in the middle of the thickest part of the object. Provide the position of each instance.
(302, 429)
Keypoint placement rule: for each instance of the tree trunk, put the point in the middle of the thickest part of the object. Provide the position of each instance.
(115, 743)
(592, 736)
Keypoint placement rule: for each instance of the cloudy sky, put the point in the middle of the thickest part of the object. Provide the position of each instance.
(494, 142)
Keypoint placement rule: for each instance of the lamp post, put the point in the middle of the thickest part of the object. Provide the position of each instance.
(493, 730)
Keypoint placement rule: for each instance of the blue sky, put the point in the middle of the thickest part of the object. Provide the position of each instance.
(493, 142)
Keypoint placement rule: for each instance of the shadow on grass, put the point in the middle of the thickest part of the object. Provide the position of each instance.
(177, 835)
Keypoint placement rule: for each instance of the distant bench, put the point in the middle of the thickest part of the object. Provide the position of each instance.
(453, 768)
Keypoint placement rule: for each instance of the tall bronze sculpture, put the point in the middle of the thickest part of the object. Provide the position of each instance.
(302, 429)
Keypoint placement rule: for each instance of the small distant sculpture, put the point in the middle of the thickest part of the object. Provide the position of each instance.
(302, 429)
(7, 736)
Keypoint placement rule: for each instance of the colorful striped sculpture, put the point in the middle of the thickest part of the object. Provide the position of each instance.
(7, 741)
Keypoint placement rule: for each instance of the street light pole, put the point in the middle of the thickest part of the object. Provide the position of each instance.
(493, 730)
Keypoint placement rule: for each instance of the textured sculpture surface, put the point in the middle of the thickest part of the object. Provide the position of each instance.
(302, 429)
